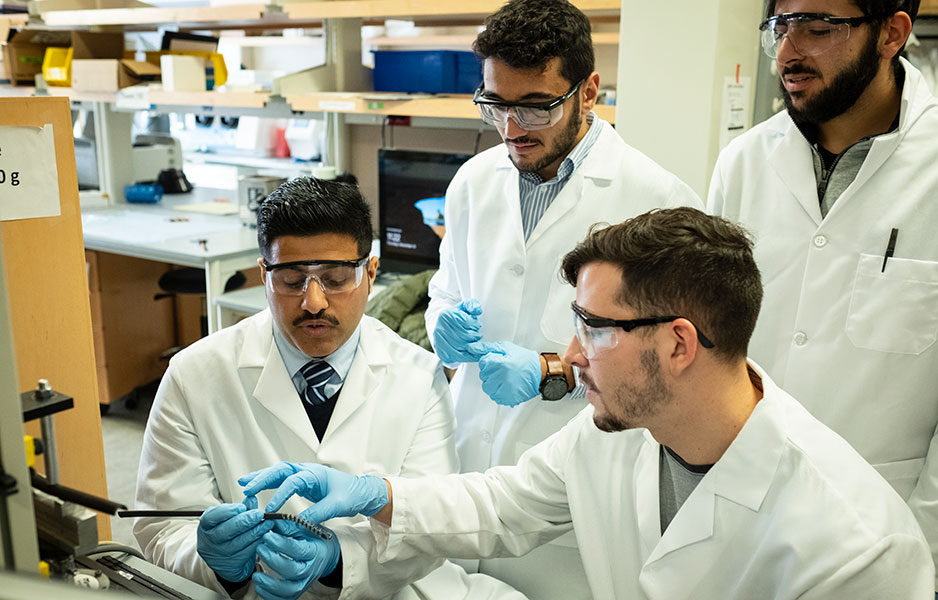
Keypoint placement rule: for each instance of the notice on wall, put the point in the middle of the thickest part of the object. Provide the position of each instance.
(29, 180)
(735, 118)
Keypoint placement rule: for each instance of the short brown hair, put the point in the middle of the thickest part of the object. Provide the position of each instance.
(681, 261)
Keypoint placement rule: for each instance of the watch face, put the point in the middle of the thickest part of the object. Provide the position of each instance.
(554, 388)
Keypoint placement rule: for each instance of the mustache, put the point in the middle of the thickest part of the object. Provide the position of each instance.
(320, 316)
(798, 69)
(522, 140)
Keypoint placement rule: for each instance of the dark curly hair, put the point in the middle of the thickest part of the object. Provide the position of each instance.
(526, 34)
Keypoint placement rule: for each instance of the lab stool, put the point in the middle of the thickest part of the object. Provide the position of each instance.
(190, 280)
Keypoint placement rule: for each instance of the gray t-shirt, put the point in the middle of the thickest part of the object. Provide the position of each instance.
(676, 481)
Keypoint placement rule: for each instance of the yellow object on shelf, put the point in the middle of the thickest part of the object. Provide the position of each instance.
(57, 66)
(215, 77)
(30, 450)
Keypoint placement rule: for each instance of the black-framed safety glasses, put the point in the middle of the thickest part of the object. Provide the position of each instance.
(810, 33)
(529, 116)
(599, 334)
(332, 276)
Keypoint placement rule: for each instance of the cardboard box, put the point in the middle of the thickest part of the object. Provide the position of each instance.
(183, 73)
(24, 50)
(99, 65)
(110, 75)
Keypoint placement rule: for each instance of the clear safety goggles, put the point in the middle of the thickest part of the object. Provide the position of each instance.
(810, 33)
(332, 276)
(598, 334)
(529, 116)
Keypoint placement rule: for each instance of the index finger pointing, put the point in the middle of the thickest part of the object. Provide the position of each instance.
(304, 484)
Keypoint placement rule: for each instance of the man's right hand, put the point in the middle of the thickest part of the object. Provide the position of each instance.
(228, 536)
(456, 328)
(336, 494)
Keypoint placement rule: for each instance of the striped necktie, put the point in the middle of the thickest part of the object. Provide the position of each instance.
(316, 373)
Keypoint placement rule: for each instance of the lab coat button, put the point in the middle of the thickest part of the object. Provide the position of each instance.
(820, 241)
(801, 338)
(486, 437)
(517, 270)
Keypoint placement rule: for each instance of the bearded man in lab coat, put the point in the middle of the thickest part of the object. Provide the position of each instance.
(511, 213)
(841, 194)
(692, 475)
(310, 379)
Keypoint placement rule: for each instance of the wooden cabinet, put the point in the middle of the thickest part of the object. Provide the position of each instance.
(131, 329)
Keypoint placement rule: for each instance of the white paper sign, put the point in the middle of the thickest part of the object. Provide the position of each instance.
(29, 181)
(735, 118)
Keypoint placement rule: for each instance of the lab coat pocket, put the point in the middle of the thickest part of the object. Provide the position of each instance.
(902, 475)
(557, 320)
(895, 310)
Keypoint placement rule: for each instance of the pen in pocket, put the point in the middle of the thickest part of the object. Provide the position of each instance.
(890, 248)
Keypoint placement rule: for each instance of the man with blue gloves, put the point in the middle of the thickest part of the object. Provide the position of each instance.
(509, 373)
(691, 475)
(511, 213)
(310, 379)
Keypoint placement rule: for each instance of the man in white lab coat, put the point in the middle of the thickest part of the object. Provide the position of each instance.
(691, 476)
(841, 194)
(310, 379)
(511, 214)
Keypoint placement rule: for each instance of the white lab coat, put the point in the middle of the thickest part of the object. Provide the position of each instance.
(484, 255)
(789, 511)
(855, 344)
(227, 406)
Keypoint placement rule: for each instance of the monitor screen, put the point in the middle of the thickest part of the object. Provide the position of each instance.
(411, 194)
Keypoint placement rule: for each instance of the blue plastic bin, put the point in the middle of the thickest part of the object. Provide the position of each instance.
(427, 71)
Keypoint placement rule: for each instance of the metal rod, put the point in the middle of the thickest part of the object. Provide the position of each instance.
(318, 530)
(49, 453)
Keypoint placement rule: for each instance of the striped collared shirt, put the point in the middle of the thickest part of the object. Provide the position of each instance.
(536, 194)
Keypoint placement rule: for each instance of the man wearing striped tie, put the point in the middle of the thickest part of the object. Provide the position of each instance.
(310, 380)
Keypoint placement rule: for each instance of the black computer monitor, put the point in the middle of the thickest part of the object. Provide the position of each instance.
(411, 194)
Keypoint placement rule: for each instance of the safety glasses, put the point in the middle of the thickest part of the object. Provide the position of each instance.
(598, 334)
(810, 33)
(332, 276)
(529, 116)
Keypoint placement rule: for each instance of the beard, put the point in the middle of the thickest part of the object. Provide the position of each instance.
(842, 92)
(561, 146)
(636, 402)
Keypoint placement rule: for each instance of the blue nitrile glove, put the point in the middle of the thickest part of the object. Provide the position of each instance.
(298, 557)
(336, 494)
(510, 374)
(456, 328)
(228, 536)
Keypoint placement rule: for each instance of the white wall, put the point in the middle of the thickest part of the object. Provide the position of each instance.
(673, 57)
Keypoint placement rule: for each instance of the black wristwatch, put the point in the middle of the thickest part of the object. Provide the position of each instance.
(554, 384)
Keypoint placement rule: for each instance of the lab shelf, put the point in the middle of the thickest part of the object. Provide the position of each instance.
(416, 9)
(244, 13)
(460, 41)
(265, 104)
(210, 99)
(295, 14)
(418, 105)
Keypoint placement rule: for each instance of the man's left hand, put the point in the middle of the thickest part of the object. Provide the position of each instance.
(297, 556)
(510, 374)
